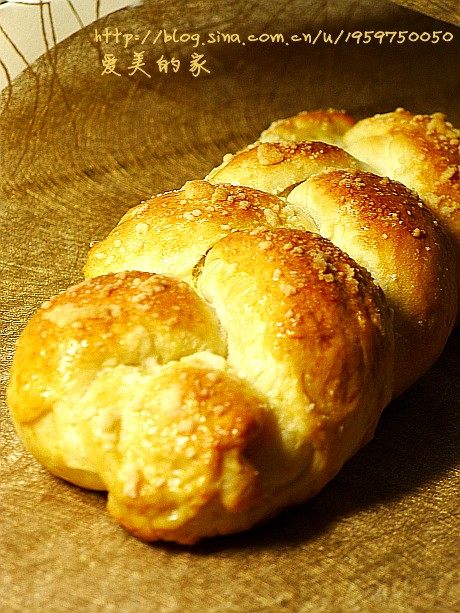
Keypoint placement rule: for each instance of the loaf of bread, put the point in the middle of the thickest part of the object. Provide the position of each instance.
(235, 341)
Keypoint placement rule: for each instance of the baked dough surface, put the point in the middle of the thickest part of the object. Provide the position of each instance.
(236, 340)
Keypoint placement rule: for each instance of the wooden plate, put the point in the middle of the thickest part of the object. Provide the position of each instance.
(78, 148)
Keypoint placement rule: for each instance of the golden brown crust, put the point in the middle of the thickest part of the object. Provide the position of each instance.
(205, 411)
(421, 151)
(170, 233)
(424, 150)
(184, 451)
(301, 290)
(275, 167)
(138, 386)
(327, 126)
(132, 319)
(386, 228)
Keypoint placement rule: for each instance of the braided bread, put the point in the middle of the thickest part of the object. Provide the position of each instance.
(420, 151)
(236, 340)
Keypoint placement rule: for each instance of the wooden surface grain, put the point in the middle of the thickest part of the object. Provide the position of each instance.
(447, 10)
(77, 149)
